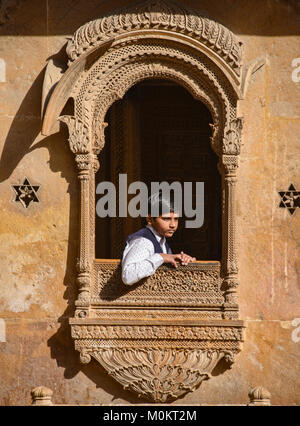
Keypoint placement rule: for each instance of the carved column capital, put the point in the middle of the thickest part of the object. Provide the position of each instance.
(99, 136)
(79, 139)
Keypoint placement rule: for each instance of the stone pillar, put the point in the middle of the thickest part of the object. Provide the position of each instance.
(84, 164)
(95, 167)
(80, 145)
(228, 168)
(230, 283)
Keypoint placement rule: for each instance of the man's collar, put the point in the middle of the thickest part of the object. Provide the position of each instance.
(156, 234)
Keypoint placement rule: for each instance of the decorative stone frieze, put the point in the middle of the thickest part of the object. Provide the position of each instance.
(158, 15)
(194, 285)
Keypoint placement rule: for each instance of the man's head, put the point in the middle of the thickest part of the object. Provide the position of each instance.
(162, 215)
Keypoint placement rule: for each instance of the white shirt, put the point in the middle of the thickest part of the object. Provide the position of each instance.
(139, 258)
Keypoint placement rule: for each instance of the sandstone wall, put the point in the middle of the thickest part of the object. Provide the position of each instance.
(39, 244)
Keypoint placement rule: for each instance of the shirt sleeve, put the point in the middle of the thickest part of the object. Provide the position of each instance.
(139, 260)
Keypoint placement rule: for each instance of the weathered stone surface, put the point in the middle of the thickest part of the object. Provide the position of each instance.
(39, 244)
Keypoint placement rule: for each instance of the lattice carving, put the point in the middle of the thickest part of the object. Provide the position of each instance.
(193, 285)
(110, 78)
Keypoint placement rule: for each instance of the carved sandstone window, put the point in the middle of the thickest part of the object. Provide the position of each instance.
(163, 336)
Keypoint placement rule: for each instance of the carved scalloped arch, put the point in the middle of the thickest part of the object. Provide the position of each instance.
(141, 71)
(172, 33)
(158, 15)
(118, 70)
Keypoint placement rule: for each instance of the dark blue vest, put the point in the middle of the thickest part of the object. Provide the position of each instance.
(147, 233)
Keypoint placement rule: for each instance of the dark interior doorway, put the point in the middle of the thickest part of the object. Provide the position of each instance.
(159, 132)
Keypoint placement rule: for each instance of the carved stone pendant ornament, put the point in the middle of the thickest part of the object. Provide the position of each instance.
(163, 336)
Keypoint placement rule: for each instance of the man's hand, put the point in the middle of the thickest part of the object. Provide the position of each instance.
(174, 258)
(185, 258)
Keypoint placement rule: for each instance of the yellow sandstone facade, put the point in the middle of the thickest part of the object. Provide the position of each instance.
(233, 320)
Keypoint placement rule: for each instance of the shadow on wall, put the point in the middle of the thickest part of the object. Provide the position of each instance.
(23, 131)
(253, 17)
(26, 126)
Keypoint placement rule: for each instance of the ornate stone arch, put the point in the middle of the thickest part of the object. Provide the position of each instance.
(145, 329)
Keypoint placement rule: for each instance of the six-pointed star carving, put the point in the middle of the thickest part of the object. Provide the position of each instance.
(26, 193)
(290, 199)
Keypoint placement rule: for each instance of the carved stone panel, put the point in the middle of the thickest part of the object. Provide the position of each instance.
(194, 285)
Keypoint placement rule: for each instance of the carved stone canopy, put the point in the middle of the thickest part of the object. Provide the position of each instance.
(164, 336)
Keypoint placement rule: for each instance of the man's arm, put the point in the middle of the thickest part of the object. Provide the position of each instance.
(139, 260)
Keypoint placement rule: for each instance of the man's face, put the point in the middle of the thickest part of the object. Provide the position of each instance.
(165, 225)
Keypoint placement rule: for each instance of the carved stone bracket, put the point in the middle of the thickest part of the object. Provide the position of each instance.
(158, 362)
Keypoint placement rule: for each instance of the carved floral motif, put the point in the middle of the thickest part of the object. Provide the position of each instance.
(232, 138)
(78, 134)
(192, 285)
(156, 332)
(159, 375)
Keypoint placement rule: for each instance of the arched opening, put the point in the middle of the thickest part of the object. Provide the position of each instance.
(159, 132)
